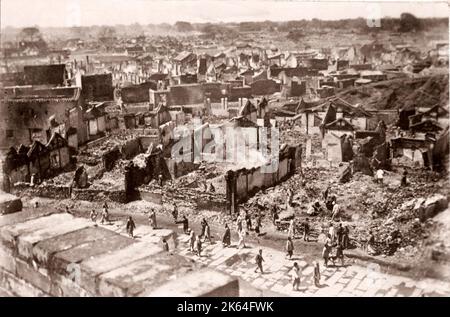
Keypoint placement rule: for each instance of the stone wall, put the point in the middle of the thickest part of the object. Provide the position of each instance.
(43, 190)
(99, 195)
(56, 254)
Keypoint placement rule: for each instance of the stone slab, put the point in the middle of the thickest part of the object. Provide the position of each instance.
(87, 251)
(44, 250)
(26, 242)
(196, 285)
(92, 268)
(143, 275)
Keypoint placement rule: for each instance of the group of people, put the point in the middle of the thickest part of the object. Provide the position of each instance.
(296, 275)
(337, 238)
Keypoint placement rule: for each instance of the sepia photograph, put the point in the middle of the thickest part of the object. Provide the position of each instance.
(224, 149)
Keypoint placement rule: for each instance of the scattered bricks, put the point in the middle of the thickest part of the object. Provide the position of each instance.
(144, 275)
(91, 269)
(17, 286)
(32, 276)
(26, 242)
(44, 250)
(61, 260)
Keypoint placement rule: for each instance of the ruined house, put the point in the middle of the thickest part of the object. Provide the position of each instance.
(183, 62)
(249, 111)
(96, 122)
(29, 113)
(51, 75)
(98, 87)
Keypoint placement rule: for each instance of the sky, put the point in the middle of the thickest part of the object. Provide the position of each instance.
(48, 13)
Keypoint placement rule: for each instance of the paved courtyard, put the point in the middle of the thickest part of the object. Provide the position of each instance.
(350, 280)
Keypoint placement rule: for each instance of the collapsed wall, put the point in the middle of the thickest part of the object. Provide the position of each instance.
(244, 183)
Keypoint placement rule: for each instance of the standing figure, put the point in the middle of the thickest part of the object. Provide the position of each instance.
(316, 275)
(165, 245)
(259, 260)
(291, 229)
(192, 241)
(226, 240)
(152, 219)
(105, 215)
(160, 180)
(380, 175)
(340, 254)
(258, 225)
(175, 213)
(130, 227)
(289, 247)
(306, 230)
(185, 223)
(274, 215)
(326, 250)
(198, 245)
(345, 238)
(207, 233)
(93, 215)
(248, 221)
(332, 233)
(241, 239)
(336, 210)
(404, 175)
(339, 233)
(203, 223)
(295, 273)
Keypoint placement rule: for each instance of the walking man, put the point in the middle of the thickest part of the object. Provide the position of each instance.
(203, 223)
(165, 245)
(306, 230)
(192, 241)
(336, 210)
(316, 275)
(152, 218)
(291, 228)
(207, 233)
(339, 233)
(289, 248)
(241, 239)
(105, 214)
(130, 227)
(93, 215)
(198, 245)
(295, 273)
(175, 213)
(185, 223)
(226, 240)
(259, 260)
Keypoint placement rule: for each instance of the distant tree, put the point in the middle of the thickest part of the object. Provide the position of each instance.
(106, 32)
(295, 35)
(30, 34)
(409, 23)
(182, 26)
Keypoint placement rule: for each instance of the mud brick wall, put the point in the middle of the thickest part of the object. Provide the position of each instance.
(56, 254)
(48, 190)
